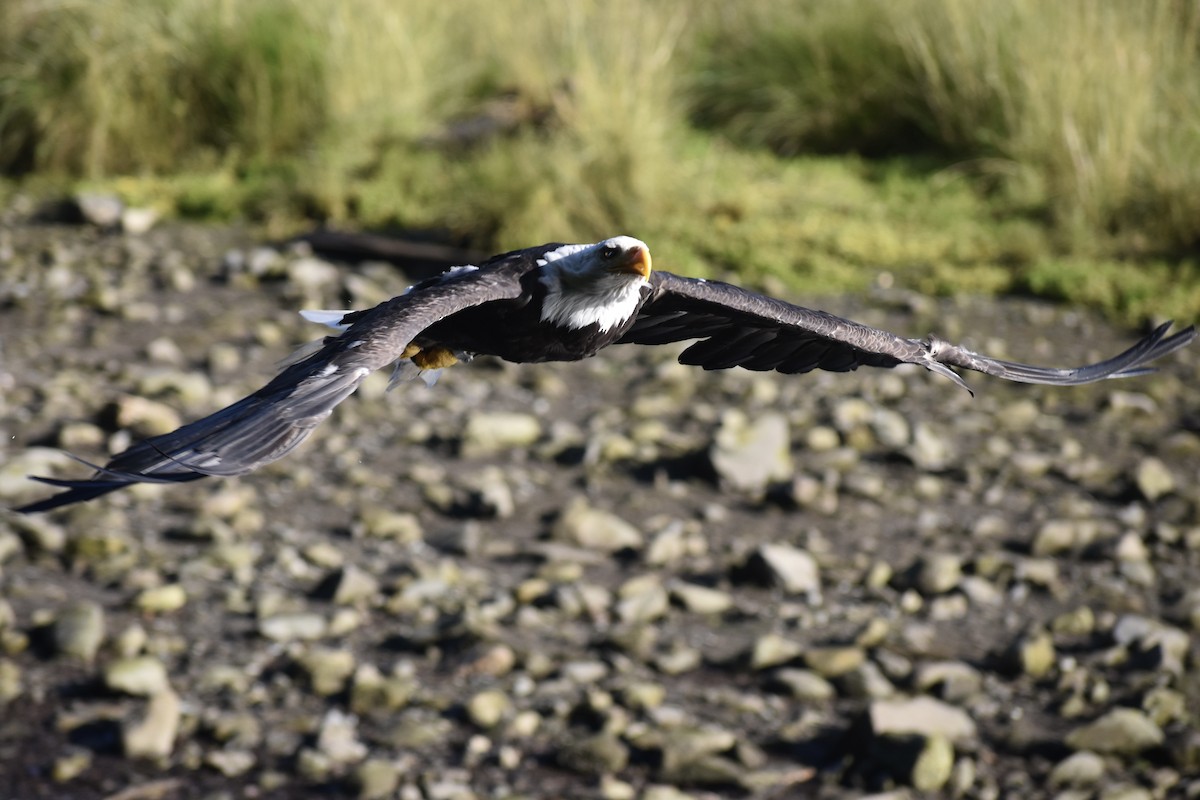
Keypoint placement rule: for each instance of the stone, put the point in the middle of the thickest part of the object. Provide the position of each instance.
(161, 599)
(595, 529)
(10, 682)
(938, 573)
(771, 650)
(790, 568)
(1154, 478)
(327, 669)
(1078, 770)
(289, 626)
(490, 432)
(923, 716)
(488, 708)
(337, 738)
(79, 631)
(375, 779)
(153, 736)
(140, 675)
(748, 454)
(594, 755)
(354, 584)
(804, 685)
(1122, 731)
(834, 661)
(701, 599)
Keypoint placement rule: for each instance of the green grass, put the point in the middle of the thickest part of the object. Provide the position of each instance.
(942, 145)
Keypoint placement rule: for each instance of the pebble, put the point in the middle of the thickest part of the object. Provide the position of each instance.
(79, 631)
(595, 529)
(1122, 731)
(834, 661)
(161, 599)
(1078, 770)
(337, 738)
(153, 736)
(594, 755)
(804, 685)
(353, 585)
(490, 432)
(701, 599)
(748, 454)
(790, 568)
(327, 669)
(10, 681)
(375, 779)
(772, 649)
(288, 626)
(924, 716)
(140, 675)
(488, 708)
(1154, 479)
(938, 573)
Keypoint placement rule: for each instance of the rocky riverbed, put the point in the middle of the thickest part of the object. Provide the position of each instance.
(615, 579)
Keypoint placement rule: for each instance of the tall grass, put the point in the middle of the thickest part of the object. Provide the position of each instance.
(132, 85)
(643, 116)
(1089, 109)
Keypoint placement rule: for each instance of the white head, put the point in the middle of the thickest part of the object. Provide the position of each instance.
(594, 284)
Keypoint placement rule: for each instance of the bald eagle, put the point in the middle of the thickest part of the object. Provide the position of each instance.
(555, 302)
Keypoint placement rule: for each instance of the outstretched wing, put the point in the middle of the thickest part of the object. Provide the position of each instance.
(738, 328)
(268, 424)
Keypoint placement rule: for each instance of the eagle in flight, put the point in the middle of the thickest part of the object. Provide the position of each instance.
(555, 302)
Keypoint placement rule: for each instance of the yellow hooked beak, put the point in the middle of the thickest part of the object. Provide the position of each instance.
(636, 262)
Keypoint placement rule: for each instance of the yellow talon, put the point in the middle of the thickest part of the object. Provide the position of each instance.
(410, 351)
(434, 358)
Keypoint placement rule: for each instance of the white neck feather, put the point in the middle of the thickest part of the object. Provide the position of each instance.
(606, 309)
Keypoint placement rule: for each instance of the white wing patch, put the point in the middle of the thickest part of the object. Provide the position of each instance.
(327, 317)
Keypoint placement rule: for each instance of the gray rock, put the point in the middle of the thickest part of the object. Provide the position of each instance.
(954, 681)
(154, 735)
(1033, 654)
(1079, 770)
(931, 449)
(139, 675)
(595, 529)
(79, 631)
(793, 570)
(10, 682)
(373, 692)
(642, 600)
(383, 523)
(161, 599)
(771, 650)
(1122, 731)
(290, 626)
(327, 669)
(375, 779)
(866, 681)
(101, 210)
(594, 755)
(337, 738)
(488, 708)
(1154, 478)
(923, 716)
(938, 573)
(805, 685)
(137, 221)
(489, 432)
(748, 454)
(834, 661)
(353, 585)
(701, 599)
(230, 762)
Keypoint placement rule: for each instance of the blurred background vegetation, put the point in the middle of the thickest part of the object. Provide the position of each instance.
(1050, 148)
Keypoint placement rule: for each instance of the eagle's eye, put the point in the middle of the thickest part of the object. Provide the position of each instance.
(609, 252)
